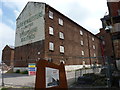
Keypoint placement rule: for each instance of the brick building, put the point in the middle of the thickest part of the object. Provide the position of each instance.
(8, 55)
(112, 22)
(45, 33)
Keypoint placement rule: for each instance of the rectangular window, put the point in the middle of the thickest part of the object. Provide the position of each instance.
(60, 21)
(81, 42)
(61, 35)
(82, 52)
(51, 46)
(94, 55)
(93, 46)
(50, 14)
(93, 39)
(61, 49)
(51, 32)
(81, 33)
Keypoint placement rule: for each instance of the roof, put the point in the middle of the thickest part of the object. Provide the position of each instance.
(12, 47)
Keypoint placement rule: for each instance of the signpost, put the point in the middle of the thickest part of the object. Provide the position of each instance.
(50, 75)
(32, 68)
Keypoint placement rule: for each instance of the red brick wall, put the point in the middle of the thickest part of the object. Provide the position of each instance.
(71, 41)
(28, 53)
(113, 8)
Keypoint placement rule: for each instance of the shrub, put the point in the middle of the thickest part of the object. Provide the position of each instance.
(25, 72)
(17, 71)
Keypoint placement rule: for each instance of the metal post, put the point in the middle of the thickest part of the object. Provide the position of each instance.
(2, 75)
(108, 72)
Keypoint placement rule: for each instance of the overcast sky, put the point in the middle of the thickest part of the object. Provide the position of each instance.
(86, 13)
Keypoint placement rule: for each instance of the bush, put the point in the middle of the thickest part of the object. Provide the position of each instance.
(24, 72)
(17, 71)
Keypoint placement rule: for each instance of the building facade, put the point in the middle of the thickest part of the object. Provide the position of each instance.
(112, 22)
(8, 55)
(45, 33)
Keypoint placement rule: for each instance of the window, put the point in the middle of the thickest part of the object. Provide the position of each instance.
(94, 55)
(61, 35)
(51, 46)
(93, 46)
(93, 39)
(81, 42)
(61, 49)
(50, 14)
(82, 52)
(81, 33)
(51, 31)
(60, 21)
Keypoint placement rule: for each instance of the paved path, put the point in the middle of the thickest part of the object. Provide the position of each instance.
(23, 80)
(20, 80)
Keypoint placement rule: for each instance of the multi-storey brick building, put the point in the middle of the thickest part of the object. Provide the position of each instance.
(8, 55)
(45, 33)
(112, 22)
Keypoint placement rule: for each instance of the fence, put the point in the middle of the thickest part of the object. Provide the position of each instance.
(72, 76)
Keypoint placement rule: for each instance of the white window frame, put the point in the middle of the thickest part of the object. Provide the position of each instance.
(61, 35)
(51, 31)
(62, 49)
(51, 14)
(82, 53)
(81, 42)
(81, 32)
(60, 21)
(93, 39)
(93, 46)
(94, 55)
(51, 46)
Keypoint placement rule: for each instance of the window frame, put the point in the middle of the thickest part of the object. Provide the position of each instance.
(50, 14)
(62, 49)
(93, 39)
(61, 35)
(81, 32)
(60, 21)
(94, 47)
(51, 46)
(51, 30)
(81, 42)
(82, 53)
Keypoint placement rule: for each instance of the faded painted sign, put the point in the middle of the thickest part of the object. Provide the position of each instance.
(30, 24)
